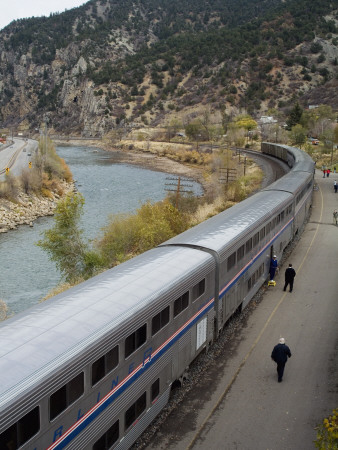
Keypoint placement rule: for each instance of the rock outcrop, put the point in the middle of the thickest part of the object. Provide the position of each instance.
(26, 209)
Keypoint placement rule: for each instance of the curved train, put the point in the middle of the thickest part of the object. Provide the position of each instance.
(91, 368)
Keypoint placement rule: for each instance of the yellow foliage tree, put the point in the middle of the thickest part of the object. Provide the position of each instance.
(246, 122)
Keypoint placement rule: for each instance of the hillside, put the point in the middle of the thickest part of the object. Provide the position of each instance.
(108, 64)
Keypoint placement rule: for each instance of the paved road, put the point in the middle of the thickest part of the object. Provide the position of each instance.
(239, 404)
(17, 156)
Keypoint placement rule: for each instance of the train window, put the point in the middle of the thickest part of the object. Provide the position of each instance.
(255, 239)
(255, 276)
(240, 253)
(155, 389)
(135, 340)
(262, 234)
(108, 438)
(248, 245)
(268, 228)
(135, 411)
(20, 432)
(181, 303)
(160, 320)
(282, 215)
(112, 359)
(98, 370)
(105, 364)
(231, 261)
(261, 269)
(66, 395)
(278, 219)
(198, 290)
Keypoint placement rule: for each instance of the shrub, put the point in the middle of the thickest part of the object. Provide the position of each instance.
(327, 433)
(4, 311)
(51, 184)
(9, 188)
(67, 174)
(128, 235)
(30, 181)
(316, 47)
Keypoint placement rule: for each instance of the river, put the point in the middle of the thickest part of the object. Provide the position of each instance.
(109, 188)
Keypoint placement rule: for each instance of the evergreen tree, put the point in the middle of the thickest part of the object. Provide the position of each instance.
(294, 116)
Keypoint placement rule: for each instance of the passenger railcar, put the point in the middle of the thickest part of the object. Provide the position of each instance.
(242, 240)
(92, 367)
(298, 160)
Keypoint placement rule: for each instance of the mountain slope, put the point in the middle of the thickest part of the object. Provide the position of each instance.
(108, 63)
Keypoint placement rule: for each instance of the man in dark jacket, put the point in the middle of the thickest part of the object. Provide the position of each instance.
(280, 354)
(290, 274)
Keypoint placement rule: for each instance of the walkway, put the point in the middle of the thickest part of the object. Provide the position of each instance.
(243, 407)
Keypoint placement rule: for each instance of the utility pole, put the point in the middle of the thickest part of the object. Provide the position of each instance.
(180, 187)
(45, 137)
(227, 174)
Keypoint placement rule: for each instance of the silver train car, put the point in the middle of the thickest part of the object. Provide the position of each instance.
(92, 367)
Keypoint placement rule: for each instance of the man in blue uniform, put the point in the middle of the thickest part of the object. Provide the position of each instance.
(273, 267)
(280, 354)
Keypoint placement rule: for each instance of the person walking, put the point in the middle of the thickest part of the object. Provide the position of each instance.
(290, 274)
(273, 267)
(335, 186)
(328, 173)
(335, 217)
(280, 354)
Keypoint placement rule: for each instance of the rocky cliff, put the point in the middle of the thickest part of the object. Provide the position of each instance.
(106, 64)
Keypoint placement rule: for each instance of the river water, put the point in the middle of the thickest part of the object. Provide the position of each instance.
(108, 187)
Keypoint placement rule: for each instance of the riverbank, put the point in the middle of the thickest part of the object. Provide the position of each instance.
(146, 155)
(28, 208)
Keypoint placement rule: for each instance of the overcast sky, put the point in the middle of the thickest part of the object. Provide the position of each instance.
(23, 9)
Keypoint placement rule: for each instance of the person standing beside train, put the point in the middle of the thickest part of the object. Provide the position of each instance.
(273, 267)
(280, 354)
(290, 274)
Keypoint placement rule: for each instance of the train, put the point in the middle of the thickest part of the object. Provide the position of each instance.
(92, 367)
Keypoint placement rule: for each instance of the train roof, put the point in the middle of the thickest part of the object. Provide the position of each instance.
(220, 231)
(292, 182)
(303, 162)
(300, 160)
(49, 333)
